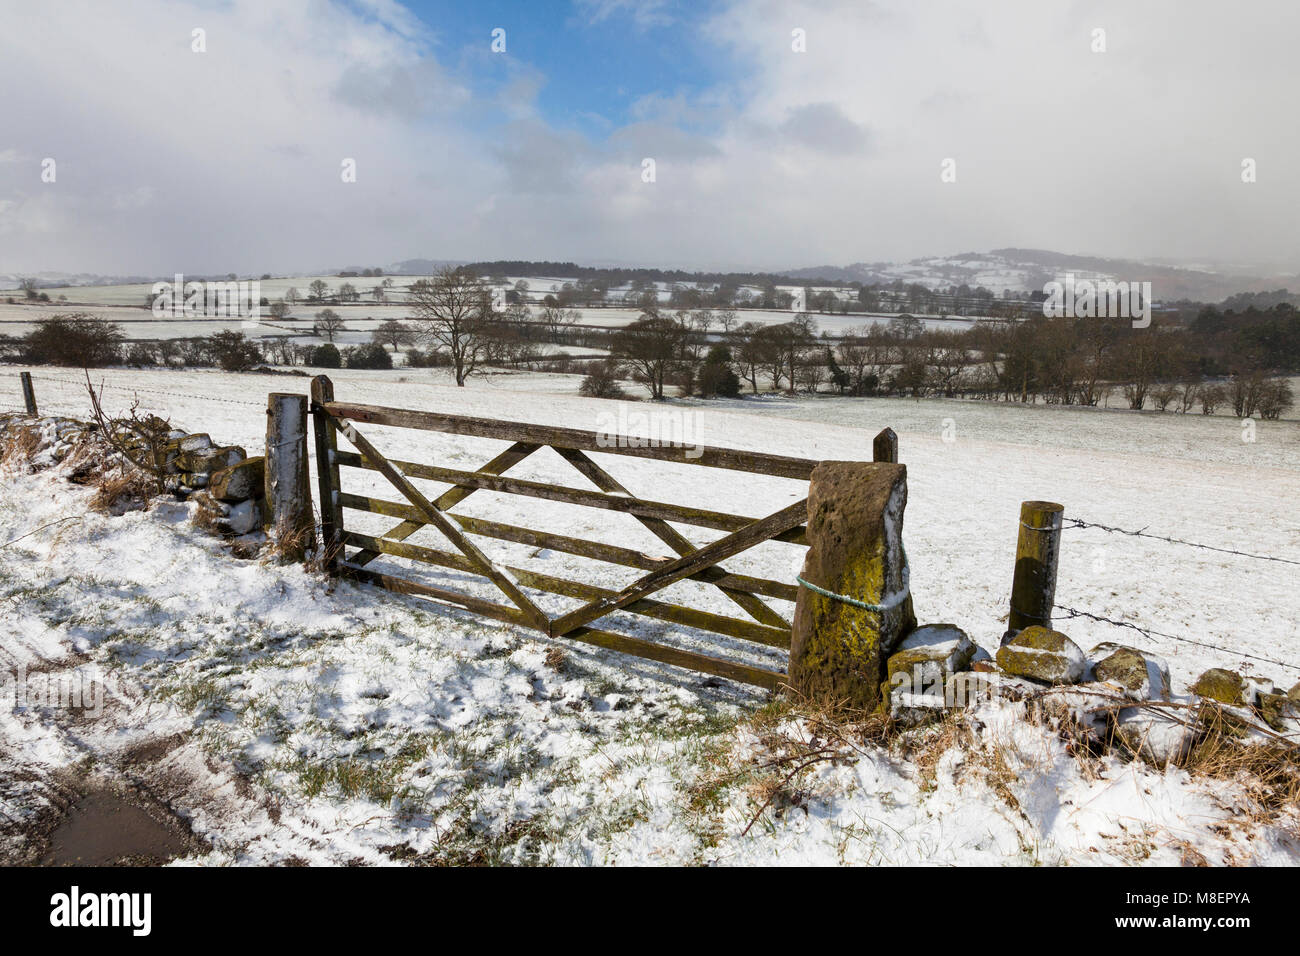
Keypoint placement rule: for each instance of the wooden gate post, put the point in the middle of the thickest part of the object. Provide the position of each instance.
(1033, 588)
(854, 603)
(327, 474)
(29, 394)
(288, 494)
(885, 446)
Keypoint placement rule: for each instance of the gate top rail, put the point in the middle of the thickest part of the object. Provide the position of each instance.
(760, 463)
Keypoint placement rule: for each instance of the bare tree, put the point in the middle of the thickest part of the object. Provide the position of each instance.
(454, 311)
(1210, 397)
(1143, 360)
(557, 321)
(279, 349)
(651, 348)
(1164, 395)
(1275, 398)
(749, 353)
(947, 360)
(1243, 393)
(393, 333)
(328, 324)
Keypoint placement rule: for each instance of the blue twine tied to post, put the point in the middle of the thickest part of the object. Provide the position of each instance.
(888, 604)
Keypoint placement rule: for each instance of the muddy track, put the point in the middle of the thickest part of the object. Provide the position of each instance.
(131, 787)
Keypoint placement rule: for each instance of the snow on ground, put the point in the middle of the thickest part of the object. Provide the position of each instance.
(375, 727)
(1187, 477)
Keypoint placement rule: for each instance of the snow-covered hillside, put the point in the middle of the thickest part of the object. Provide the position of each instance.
(293, 718)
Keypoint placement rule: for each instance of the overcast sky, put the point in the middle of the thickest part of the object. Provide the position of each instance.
(172, 160)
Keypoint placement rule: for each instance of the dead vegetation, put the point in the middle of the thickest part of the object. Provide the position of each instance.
(142, 442)
(289, 544)
(122, 458)
(18, 445)
(790, 737)
(793, 737)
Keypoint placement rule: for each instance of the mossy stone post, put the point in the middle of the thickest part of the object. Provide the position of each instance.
(29, 394)
(838, 650)
(885, 446)
(288, 494)
(1033, 587)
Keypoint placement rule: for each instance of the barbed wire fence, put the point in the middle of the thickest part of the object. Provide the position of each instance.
(170, 393)
(1071, 613)
(1074, 523)
(59, 402)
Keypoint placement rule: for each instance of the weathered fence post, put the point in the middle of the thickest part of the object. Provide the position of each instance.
(885, 446)
(288, 494)
(327, 473)
(1033, 589)
(854, 603)
(29, 394)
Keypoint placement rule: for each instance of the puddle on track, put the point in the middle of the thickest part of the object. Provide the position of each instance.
(105, 827)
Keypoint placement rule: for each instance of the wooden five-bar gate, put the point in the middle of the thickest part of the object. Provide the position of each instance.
(349, 552)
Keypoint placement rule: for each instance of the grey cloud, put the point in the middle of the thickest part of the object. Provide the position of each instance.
(823, 127)
(662, 142)
(406, 91)
(537, 159)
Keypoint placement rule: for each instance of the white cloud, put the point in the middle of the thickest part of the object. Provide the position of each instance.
(229, 160)
(644, 13)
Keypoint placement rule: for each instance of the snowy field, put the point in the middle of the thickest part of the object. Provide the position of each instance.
(299, 720)
(123, 304)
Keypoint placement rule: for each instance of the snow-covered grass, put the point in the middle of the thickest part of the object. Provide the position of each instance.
(300, 719)
(1185, 477)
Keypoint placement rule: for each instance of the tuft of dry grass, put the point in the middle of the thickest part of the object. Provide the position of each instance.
(122, 489)
(205, 520)
(1267, 772)
(289, 544)
(795, 735)
(926, 745)
(1189, 855)
(18, 445)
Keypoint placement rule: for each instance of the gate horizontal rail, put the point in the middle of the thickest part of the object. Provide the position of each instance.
(582, 547)
(682, 514)
(760, 463)
(689, 562)
(638, 647)
(675, 613)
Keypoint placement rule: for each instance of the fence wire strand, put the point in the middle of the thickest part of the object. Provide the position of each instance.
(1147, 632)
(150, 391)
(1074, 523)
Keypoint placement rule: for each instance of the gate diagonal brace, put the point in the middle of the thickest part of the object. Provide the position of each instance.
(482, 563)
(753, 605)
(748, 536)
(452, 497)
